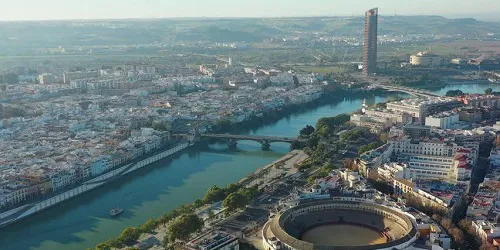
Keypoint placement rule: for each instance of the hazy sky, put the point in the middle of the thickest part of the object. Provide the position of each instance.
(102, 9)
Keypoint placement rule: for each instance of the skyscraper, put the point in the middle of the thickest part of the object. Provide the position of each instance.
(370, 42)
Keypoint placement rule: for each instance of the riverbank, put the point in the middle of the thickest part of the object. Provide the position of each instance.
(286, 168)
(19, 213)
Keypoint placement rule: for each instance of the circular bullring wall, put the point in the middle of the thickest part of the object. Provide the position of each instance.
(341, 224)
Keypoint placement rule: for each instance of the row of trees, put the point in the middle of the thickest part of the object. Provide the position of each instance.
(489, 91)
(182, 222)
(324, 171)
(371, 146)
(463, 234)
(424, 80)
(458, 92)
(330, 123)
(453, 93)
(352, 135)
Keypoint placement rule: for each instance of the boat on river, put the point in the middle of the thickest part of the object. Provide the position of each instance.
(115, 212)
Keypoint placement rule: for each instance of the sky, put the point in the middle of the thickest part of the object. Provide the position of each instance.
(118, 9)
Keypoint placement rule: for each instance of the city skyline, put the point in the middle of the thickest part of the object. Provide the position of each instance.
(130, 9)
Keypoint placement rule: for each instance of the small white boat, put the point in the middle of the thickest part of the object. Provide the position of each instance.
(115, 211)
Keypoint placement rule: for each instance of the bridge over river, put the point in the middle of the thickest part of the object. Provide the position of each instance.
(264, 140)
(411, 91)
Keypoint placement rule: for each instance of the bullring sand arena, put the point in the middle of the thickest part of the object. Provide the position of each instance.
(342, 223)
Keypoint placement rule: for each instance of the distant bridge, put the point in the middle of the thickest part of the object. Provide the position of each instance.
(264, 140)
(411, 91)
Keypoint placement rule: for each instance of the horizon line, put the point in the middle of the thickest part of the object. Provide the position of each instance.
(229, 17)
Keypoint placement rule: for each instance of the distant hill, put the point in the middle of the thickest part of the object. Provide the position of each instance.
(49, 34)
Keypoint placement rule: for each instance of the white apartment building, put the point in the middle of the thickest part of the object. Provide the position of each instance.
(421, 108)
(405, 145)
(111, 83)
(445, 120)
(371, 122)
(394, 117)
(423, 167)
(435, 159)
(390, 171)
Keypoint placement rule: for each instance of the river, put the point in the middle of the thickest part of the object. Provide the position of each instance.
(84, 221)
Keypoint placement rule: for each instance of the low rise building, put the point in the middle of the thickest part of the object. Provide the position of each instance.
(444, 120)
(478, 100)
(46, 78)
(68, 76)
(392, 170)
(471, 115)
(426, 59)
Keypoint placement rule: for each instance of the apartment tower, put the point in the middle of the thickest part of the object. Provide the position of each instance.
(370, 42)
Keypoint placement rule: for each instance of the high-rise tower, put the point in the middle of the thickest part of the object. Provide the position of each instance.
(370, 42)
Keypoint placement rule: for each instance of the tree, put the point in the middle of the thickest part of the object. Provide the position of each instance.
(369, 147)
(183, 226)
(323, 131)
(487, 246)
(239, 199)
(349, 164)
(332, 122)
(160, 126)
(308, 130)
(214, 194)
(129, 235)
(165, 242)
(488, 91)
(313, 141)
(232, 188)
(383, 137)
(149, 226)
(437, 217)
(351, 135)
(198, 203)
(456, 92)
(457, 235)
(223, 124)
(103, 246)
(233, 202)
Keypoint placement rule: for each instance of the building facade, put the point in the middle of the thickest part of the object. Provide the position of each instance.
(445, 120)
